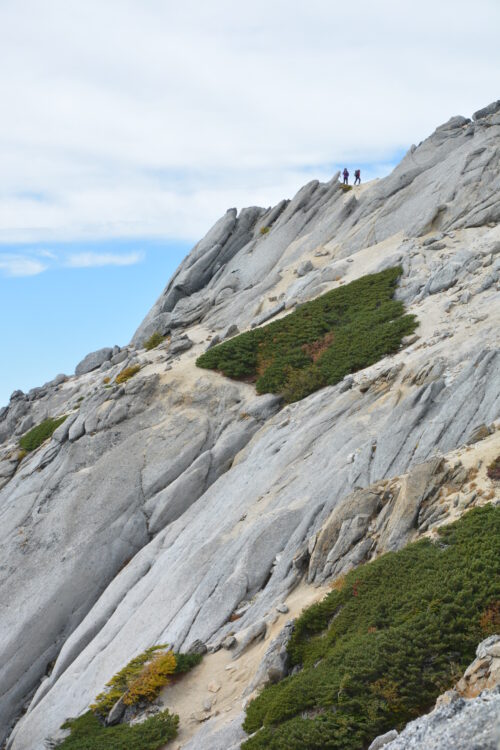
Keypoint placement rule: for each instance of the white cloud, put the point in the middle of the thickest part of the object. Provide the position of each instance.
(17, 265)
(92, 260)
(150, 118)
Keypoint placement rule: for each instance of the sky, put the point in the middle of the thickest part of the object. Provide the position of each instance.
(128, 127)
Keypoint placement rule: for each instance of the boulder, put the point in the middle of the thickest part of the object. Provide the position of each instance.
(77, 428)
(119, 357)
(231, 331)
(444, 278)
(264, 317)
(275, 662)
(116, 713)
(62, 432)
(93, 360)
(179, 345)
(189, 310)
(491, 109)
(197, 647)
(383, 740)
(213, 341)
(305, 267)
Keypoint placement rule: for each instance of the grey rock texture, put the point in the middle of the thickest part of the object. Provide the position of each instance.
(93, 360)
(491, 109)
(468, 725)
(213, 737)
(383, 517)
(383, 740)
(274, 666)
(484, 672)
(164, 505)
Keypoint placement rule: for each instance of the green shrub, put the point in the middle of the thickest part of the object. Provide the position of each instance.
(153, 341)
(186, 662)
(376, 652)
(35, 437)
(264, 230)
(87, 733)
(127, 373)
(343, 331)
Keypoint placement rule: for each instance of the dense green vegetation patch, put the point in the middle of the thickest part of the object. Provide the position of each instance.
(340, 332)
(35, 437)
(377, 652)
(87, 733)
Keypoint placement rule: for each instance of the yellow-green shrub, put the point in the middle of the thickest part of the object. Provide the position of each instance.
(153, 341)
(118, 685)
(153, 677)
(143, 677)
(127, 373)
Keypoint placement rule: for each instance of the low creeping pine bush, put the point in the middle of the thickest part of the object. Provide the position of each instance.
(342, 331)
(36, 436)
(87, 733)
(376, 652)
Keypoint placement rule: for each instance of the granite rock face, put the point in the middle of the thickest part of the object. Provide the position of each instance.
(93, 360)
(468, 725)
(165, 504)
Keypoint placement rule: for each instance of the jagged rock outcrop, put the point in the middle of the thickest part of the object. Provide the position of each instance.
(163, 505)
(469, 725)
(388, 515)
(94, 360)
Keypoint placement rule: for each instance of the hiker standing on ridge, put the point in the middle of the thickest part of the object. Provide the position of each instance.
(345, 174)
(357, 177)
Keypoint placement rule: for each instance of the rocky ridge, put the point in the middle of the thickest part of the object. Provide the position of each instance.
(163, 506)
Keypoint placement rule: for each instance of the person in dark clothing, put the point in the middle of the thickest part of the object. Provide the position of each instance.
(357, 177)
(345, 174)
